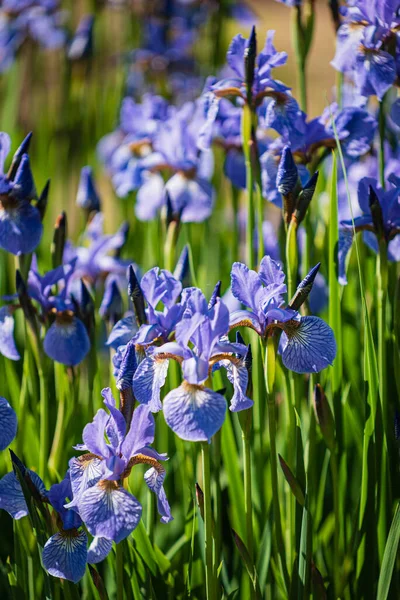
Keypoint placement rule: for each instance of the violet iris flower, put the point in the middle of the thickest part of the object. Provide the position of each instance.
(20, 221)
(365, 43)
(307, 344)
(379, 220)
(193, 411)
(107, 509)
(39, 20)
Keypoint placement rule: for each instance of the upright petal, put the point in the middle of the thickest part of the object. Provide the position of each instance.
(98, 550)
(122, 332)
(148, 380)
(116, 426)
(270, 271)
(8, 424)
(84, 471)
(194, 413)
(246, 285)
(93, 434)
(308, 347)
(65, 555)
(141, 431)
(109, 511)
(7, 343)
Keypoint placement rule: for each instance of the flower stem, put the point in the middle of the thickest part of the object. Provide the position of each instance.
(150, 516)
(336, 533)
(246, 136)
(58, 438)
(210, 586)
(120, 571)
(44, 421)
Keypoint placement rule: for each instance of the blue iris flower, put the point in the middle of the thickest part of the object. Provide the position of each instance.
(307, 344)
(20, 221)
(39, 20)
(107, 509)
(364, 45)
(193, 411)
(388, 204)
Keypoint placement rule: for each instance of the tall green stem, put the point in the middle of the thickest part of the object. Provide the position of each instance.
(246, 136)
(44, 421)
(336, 533)
(120, 571)
(58, 438)
(210, 580)
(248, 504)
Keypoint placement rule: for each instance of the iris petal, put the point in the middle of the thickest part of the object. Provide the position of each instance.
(309, 347)
(109, 511)
(8, 424)
(194, 413)
(148, 380)
(7, 343)
(65, 555)
(11, 496)
(20, 228)
(67, 343)
(98, 550)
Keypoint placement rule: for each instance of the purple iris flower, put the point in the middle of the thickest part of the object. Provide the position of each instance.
(8, 424)
(107, 509)
(307, 344)
(193, 411)
(94, 260)
(12, 498)
(365, 43)
(189, 189)
(379, 220)
(66, 339)
(20, 221)
(39, 20)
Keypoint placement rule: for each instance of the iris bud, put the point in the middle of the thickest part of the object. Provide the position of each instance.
(59, 239)
(304, 199)
(23, 149)
(43, 199)
(304, 288)
(250, 55)
(136, 295)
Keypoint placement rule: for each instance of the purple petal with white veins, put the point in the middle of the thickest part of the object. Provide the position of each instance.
(122, 332)
(239, 377)
(116, 426)
(194, 413)
(308, 348)
(154, 480)
(65, 555)
(7, 343)
(141, 431)
(98, 550)
(93, 434)
(245, 318)
(11, 496)
(148, 380)
(84, 472)
(109, 511)
(246, 285)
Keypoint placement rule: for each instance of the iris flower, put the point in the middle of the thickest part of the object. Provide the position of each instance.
(307, 344)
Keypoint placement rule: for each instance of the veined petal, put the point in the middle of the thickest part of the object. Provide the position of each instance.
(65, 555)
(7, 343)
(67, 343)
(154, 480)
(148, 380)
(109, 511)
(244, 318)
(84, 472)
(11, 496)
(8, 424)
(122, 332)
(116, 426)
(93, 434)
(308, 347)
(246, 285)
(194, 413)
(98, 550)
(239, 378)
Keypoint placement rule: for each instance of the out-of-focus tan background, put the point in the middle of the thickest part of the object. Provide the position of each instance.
(320, 74)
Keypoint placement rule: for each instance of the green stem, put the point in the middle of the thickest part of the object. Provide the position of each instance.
(291, 258)
(170, 245)
(58, 439)
(44, 421)
(217, 500)
(235, 232)
(150, 516)
(336, 533)
(120, 571)
(248, 504)
(210, 586)
(246, 135)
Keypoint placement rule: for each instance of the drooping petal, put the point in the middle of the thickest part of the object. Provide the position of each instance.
(239, 377)
(148, 380)
(109, 511)
(11, 496)
(122, 332)
(308, 347)
(245, 318)
(7, 343)
(67, 342)
(194, 413)
(65, 555)
(141, 431)
(20, 228)
(345, 242)
(98, 550)
(8, 424)
(154, 480)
